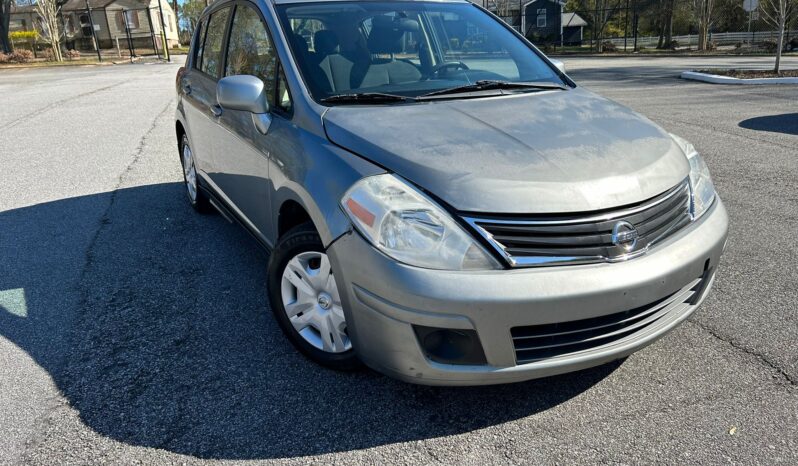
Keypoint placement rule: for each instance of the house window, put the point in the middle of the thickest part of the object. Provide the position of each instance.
(132, 18)
(541, 17)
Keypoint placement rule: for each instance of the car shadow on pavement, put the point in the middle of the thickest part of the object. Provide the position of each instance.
(786, 123)
(164, 339)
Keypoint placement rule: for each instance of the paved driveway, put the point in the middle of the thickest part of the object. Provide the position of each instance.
(133, 330)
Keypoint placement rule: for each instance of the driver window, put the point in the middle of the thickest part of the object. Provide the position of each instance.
(250, 50)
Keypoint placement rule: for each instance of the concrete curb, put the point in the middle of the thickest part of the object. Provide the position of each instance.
(715, 79)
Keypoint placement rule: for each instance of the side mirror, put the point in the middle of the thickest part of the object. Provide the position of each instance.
(558, 64)
(245, 93)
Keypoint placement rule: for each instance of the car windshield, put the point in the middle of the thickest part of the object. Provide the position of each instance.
(354, 52)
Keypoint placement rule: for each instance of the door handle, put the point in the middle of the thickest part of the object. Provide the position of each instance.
(187, 88)
(216, 110)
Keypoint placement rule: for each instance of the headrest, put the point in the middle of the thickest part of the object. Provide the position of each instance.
(300, 43)
(386, 33)
(325, 42)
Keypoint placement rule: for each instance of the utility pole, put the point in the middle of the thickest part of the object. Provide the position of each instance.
(93, 33)
(163, 33)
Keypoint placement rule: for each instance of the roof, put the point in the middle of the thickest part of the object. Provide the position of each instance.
(572, 20)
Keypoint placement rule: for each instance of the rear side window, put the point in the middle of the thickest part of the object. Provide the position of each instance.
(212, 50)
(200, 42)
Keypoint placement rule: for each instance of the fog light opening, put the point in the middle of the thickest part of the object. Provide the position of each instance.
(450, 346)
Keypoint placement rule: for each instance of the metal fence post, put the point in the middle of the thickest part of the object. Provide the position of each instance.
(163, 33)
(152, 33)
(94, 33)
(127, 33)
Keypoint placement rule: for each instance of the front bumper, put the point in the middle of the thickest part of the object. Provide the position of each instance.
(383, 299)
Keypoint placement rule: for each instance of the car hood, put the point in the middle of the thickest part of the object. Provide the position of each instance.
(544, 152)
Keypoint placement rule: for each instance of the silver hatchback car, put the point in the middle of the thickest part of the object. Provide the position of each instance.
(441, 201)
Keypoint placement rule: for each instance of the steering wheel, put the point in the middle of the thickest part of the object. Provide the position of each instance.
(454, 65)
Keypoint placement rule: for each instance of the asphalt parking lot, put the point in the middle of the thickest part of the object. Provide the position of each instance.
(133, 330)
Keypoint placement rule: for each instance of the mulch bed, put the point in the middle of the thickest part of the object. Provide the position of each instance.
(752, 74)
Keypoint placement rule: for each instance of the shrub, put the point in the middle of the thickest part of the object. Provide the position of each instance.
(24, 35)
(608, 46)
(72, 54)
(770, 45)
(4, 58)
(20, 56)
(49, 55)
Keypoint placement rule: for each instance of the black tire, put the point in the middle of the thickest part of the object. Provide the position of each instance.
(200, 202)
(302, 238)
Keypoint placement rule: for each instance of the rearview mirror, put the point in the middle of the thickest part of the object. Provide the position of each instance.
(558, 64)
(245, 93)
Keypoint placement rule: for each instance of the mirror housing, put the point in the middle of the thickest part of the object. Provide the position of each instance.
(558, 64)
(245, 93)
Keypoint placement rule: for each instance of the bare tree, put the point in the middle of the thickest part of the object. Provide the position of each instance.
(778, 14)
(600, 12)
(49, 25)
(704, 10)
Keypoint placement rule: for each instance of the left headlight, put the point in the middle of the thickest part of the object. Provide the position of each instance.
(701, 188)
(409, 227)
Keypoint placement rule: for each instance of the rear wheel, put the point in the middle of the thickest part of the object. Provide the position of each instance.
(199, 201)
(305, 301)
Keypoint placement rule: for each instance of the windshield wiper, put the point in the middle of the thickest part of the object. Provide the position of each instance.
(365, 98)
(490, 84)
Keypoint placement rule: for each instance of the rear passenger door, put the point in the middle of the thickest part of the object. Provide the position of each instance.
(199, 89)
(243, 164)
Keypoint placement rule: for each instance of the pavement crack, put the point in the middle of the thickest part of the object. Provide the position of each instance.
(57, 103)
(792, 381)
(105, 218)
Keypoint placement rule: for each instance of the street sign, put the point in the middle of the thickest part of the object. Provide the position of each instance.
(750, 5)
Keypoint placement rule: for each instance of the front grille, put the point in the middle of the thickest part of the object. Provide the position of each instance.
(536, 342)
(603, 236)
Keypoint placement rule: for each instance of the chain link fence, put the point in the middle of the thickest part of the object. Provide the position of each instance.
(734, 26)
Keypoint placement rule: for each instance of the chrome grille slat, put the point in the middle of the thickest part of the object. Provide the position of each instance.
(559, 239)
(538, 342)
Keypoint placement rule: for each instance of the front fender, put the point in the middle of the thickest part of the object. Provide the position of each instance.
(316, 174)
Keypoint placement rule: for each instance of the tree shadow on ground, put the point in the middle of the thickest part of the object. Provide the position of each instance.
(786, 123)
(165, 340)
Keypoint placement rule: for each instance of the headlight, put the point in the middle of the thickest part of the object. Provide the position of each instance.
(702, 190)
(406, 225)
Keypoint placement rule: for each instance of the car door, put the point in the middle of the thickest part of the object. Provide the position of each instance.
(243, 161)
(199, 90)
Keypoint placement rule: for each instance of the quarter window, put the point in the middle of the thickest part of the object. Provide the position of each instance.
(212, 53)
(200, 41)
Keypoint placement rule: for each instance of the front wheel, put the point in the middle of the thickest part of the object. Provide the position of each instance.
(305, 301)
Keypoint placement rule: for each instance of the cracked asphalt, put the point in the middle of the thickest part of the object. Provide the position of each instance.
(133, 330)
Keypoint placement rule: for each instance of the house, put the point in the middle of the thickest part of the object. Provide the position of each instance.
(112, 20)
(545, 21)
(573, 29)
(542, 21)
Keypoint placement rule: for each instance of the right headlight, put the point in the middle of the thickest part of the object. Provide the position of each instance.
(702, 190)
(406, 225)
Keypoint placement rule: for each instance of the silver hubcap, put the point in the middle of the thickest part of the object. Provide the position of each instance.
(312, 303)
(190, 172)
